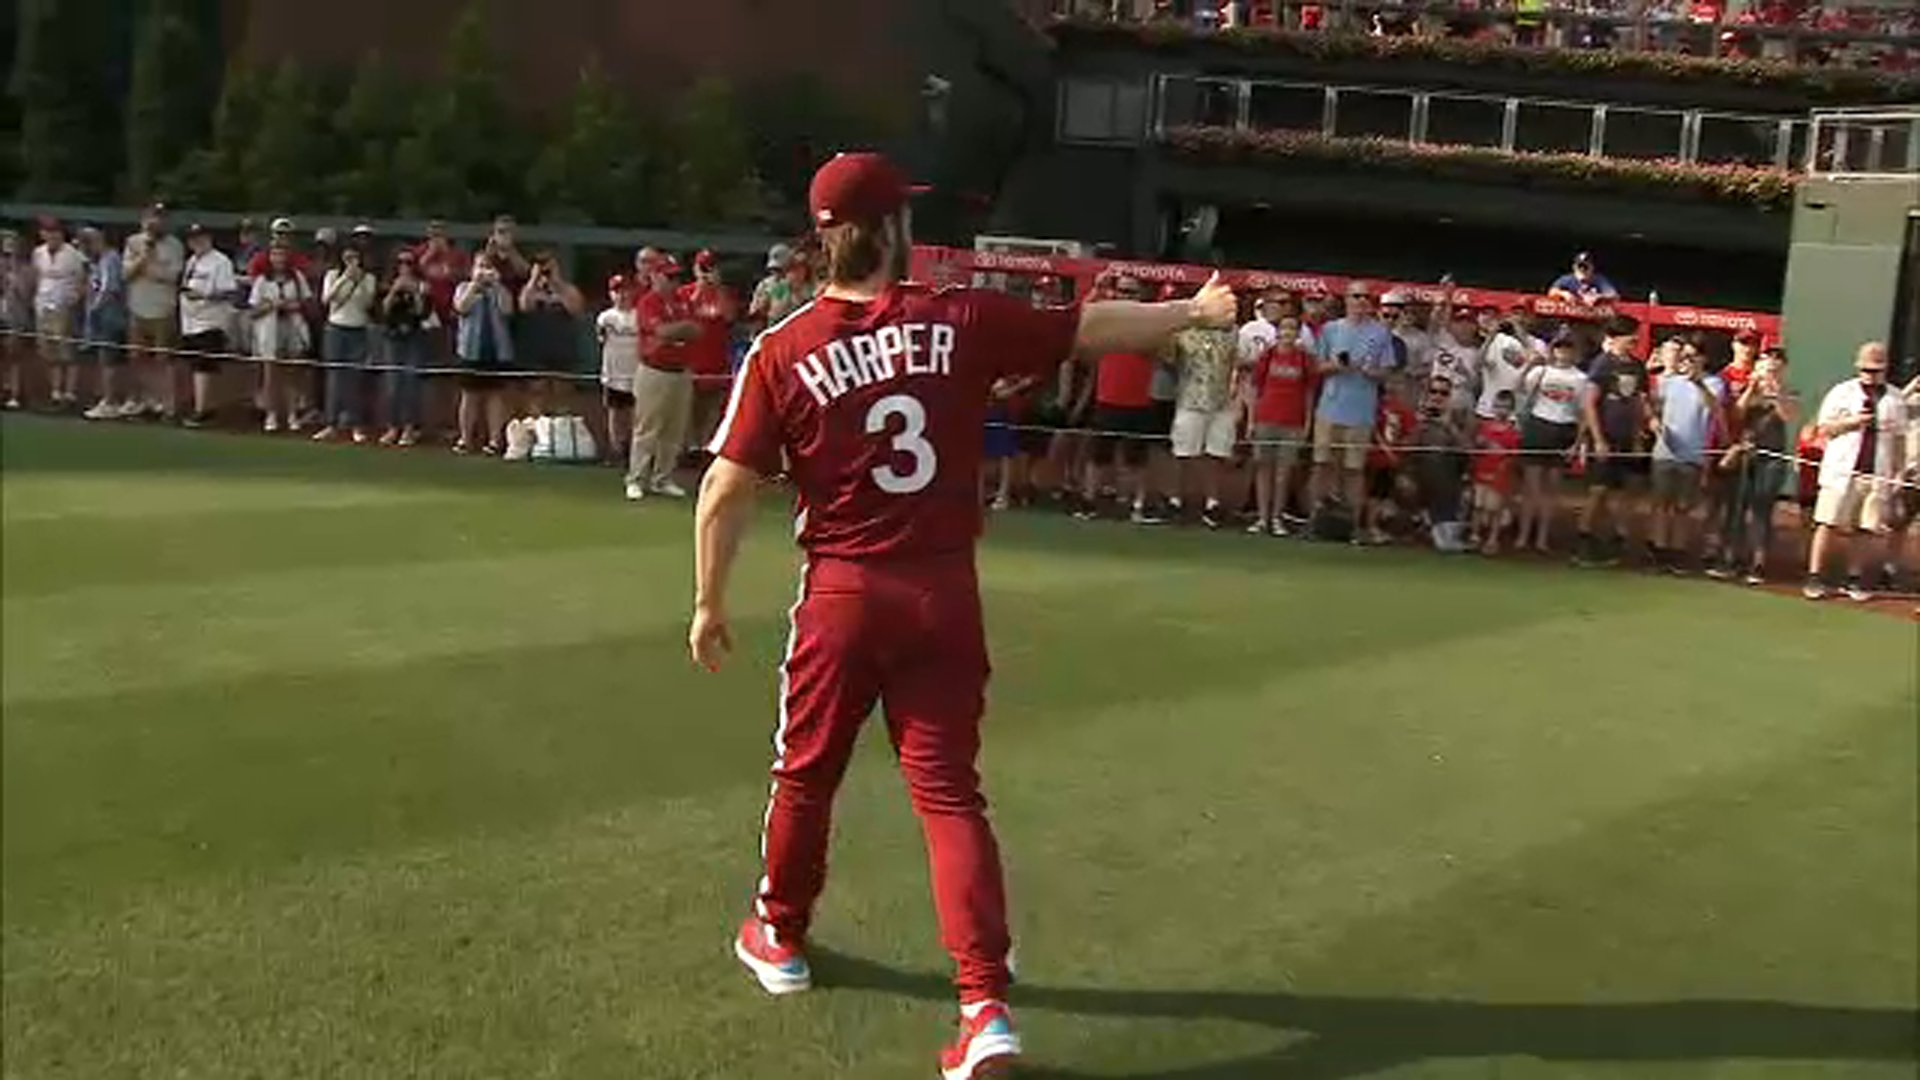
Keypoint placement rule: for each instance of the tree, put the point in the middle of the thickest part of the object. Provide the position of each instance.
(713, 176)
(216, 174)
(64, 150)
(794, 122)
(366, 130)
(282, 167)
(465, 157)
(174, 86)
(597, 170)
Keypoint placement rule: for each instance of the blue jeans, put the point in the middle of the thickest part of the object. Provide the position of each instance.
(406, 354)
(344, 348)
(1750, 525)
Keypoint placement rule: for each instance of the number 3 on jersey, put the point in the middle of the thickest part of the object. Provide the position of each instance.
(912, 441)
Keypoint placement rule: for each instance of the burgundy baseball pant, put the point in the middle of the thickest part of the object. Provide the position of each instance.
(908, 635)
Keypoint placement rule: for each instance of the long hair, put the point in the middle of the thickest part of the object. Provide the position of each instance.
(860, 249)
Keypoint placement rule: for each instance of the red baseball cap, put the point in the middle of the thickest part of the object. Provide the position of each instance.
(617, 284)
(705, 260)
(861, 186)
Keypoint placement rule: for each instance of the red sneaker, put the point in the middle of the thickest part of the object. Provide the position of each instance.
(987, 1047)
(780, 968)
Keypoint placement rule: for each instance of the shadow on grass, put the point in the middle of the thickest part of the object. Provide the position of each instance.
(1341, 1036)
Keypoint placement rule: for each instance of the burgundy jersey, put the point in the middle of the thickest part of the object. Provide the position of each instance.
(878, 408)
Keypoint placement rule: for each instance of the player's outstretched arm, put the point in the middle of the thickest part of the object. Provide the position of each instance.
(726, 507)
(1126, 326)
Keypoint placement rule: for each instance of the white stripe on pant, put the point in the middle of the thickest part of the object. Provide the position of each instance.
(661, 402)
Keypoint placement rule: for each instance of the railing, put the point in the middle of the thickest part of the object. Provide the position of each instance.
(1889, 39)
(1605, 130)
(947, 266)
(1865, 143)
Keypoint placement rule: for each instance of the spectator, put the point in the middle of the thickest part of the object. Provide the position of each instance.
(1282, 387)
(484, 346)
(786, 287)
(105, 323)
(503, 246)
(1123, 415)
(1356, 353)
(1416, 342)
(206, 317)
(349, 293)
(618, 330)
(1259, 333)
(277, 314)
(1551, 427)
(1207, 413)
(550, 307)
(1763, 414)
(1496, 443)
(1440, 467)
(1687, 410)
(1392, 429)
(153, 261)
(16, 312)
(1511, 351)
(1584, 284)
(59, 292)
(247, 253)
(1614, 416)
(1002, 457)
(406, 318)
(325, 254)
(1865, 427)
(715, 308)
(662, 389)
(1457, 350)
(443, 266)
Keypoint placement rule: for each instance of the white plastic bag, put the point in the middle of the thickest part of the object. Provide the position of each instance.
(563, 438)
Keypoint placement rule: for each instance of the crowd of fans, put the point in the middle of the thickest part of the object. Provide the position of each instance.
(342, 329)
(1373, 419)
(1825, 32)
(1367, 418)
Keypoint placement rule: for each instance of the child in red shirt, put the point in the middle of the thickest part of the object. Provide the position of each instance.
(1393, 426)
(1281, 380)
(1496, 444)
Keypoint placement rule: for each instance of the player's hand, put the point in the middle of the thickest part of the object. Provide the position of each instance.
(708, 640)
(1215, 304)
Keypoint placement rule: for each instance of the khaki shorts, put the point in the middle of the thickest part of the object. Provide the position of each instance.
(1346, 443)
(1859, 505)
(1277, 444)
(55, 343)
(158, 333)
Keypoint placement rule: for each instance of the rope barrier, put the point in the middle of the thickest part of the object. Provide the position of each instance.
(1569, 457)
(368, 366)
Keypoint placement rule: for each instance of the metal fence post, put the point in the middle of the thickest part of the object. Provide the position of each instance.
(1510, 124)
(1329, 110)
(1243, 105)
(1597, 133)
(1417, 118)
(1783, 145)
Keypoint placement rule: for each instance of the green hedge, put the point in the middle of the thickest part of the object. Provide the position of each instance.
(1817, 85)
(1764, 189)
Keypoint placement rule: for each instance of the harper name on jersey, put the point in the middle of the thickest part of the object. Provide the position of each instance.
(861, 360)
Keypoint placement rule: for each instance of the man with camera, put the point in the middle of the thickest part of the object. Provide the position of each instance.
(1865, 426)
(1356, 354)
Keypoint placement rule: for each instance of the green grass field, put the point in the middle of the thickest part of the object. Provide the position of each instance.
(329, 763)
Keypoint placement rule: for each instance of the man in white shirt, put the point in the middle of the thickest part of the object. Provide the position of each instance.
(60, 284)
(1865, 425)
(206, 316)
(152, 261)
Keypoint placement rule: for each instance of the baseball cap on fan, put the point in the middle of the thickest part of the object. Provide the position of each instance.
(859, 186)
